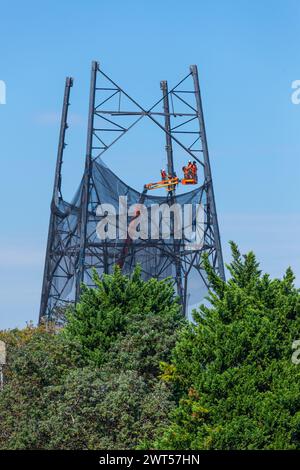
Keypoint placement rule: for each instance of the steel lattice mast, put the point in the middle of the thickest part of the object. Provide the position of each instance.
(171, 172)
(211, 204)
(52, 256)
(73, 248)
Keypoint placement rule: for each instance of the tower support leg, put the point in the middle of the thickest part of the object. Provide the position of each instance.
(55, 199)
(211, 205)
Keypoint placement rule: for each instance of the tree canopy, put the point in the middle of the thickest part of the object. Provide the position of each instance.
(93, 384)
(127, 371)
(231, 370)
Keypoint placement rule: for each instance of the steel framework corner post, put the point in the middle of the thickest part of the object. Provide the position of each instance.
(61, 142)
(86, 182)
(166, 108)
(171, 172)
(55, 196)
(207, 171)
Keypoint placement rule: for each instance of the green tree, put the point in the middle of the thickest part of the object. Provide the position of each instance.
(93, 384)
(37, 360)
(231, 371)
(125, 314)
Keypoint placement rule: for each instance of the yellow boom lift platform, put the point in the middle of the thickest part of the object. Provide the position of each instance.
(170, 183)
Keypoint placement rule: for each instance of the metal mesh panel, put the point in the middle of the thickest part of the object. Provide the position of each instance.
(156, 257)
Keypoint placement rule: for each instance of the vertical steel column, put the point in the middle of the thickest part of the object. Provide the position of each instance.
(169, 149)
(171, 172)
(207, 171)
(61, 144)
(86, 183)
(55, 195)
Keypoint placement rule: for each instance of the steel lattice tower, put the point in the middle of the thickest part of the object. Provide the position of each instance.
(73, 248)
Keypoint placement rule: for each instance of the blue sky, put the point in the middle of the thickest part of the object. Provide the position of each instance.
(247, 53)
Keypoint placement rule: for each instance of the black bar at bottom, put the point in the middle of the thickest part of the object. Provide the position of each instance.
(142, 459)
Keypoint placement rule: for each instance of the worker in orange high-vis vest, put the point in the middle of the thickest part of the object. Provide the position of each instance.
(194, 171)
(163, 174)
(190, 169)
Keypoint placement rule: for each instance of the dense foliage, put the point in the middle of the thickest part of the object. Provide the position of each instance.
(237, 387)
(127, 371)
(93, 384)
